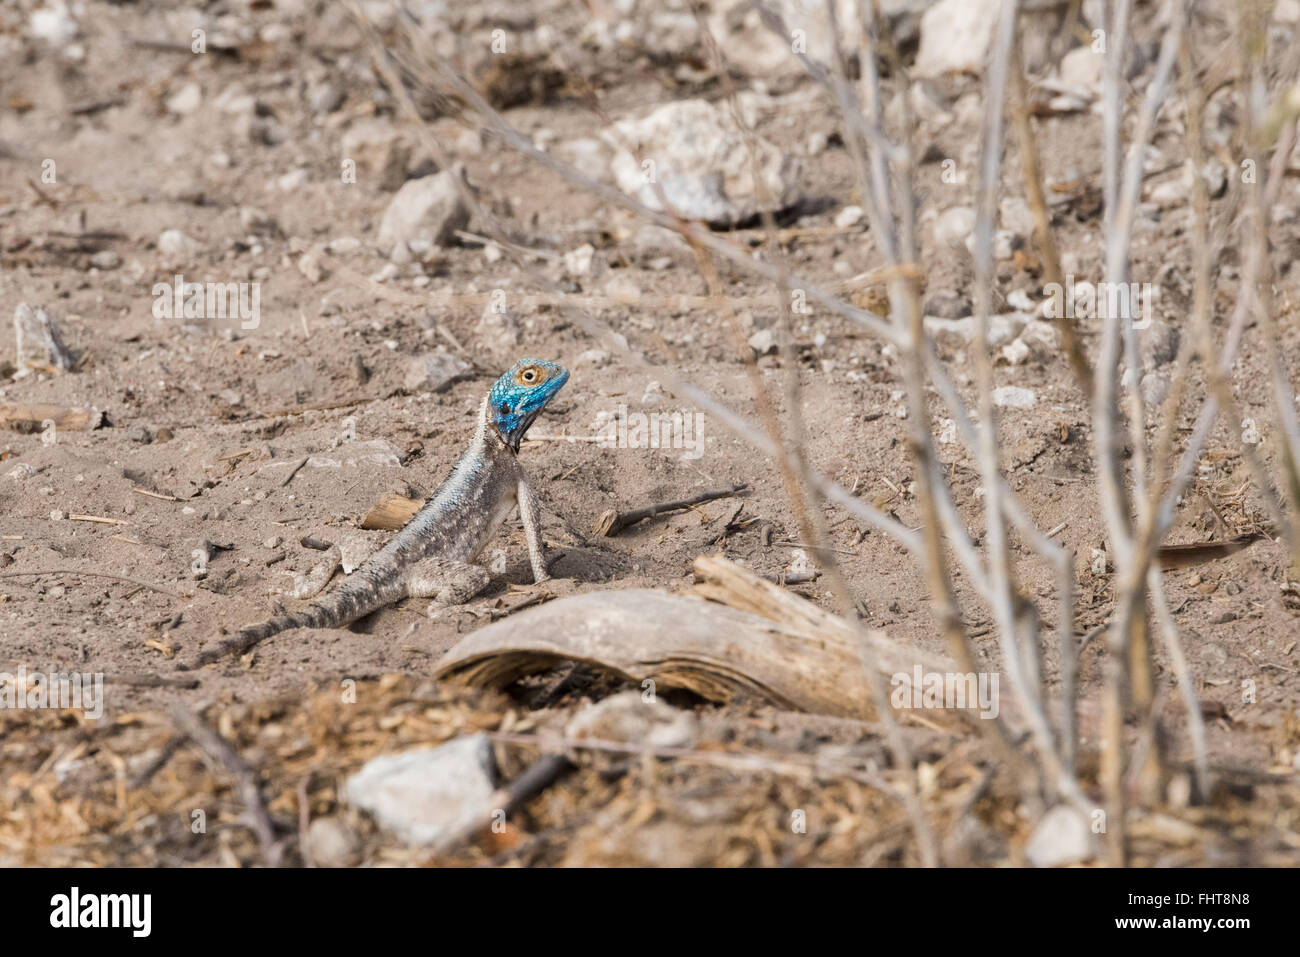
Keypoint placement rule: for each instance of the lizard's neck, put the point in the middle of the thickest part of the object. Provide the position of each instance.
(487, 441)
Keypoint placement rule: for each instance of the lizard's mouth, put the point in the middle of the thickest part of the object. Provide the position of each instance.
(519, 427)
(529, 419)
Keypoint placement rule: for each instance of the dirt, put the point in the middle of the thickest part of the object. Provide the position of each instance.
(206, 422)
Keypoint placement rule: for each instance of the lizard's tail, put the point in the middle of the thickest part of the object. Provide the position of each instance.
(355, 598)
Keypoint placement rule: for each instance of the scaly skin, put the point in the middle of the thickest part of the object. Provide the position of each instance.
(430, 557)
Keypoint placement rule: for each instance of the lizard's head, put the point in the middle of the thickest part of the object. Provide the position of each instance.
(519, 396)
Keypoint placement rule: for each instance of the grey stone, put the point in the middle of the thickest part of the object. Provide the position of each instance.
(1061, 837)
(333, 843)
(434, 372)
(955, 37)
(426, 794)
(429, 209)
(178, 249)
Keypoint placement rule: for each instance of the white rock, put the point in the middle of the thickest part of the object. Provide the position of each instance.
(292, 180)
(275, 33)
(578, 262)
(235, 100)
(960, 332)
(849, 216)
(955, 37)
(1013, 397)
(1061, 837)
(1171, 192)
(53, 23)
(1015, 353)
(1216, 178)
(185, 100)
(1287, 11)
(817, 143)
(333, 843)
(106, 259)
(1019, 300)
(426, 794)
(343, 245)
(1082, 67)
(309, 265)
(178, 249)
(693, 151)
(737, 27)
(429, 208)
(1068, 103)
(385, 273)
(381, 13)
(955, 225)
(763, 342)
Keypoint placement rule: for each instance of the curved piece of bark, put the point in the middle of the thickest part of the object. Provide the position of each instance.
(678, 641)
(722, 580)
(753, 639)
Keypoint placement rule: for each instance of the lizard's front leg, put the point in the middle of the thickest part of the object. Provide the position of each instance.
(532, 516)
(446, 582)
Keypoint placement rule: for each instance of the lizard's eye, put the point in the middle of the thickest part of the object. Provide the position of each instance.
(530, 376)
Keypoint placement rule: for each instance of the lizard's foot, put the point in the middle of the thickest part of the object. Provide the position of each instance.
(446, 582)
(542, 568)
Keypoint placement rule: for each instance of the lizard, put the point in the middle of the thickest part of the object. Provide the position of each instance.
(432, 555)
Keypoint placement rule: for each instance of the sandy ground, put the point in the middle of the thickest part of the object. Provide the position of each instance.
(206, 421)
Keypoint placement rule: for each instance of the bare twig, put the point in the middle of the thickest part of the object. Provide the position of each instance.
(611, 522)
(221, 751)
(81, 571)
